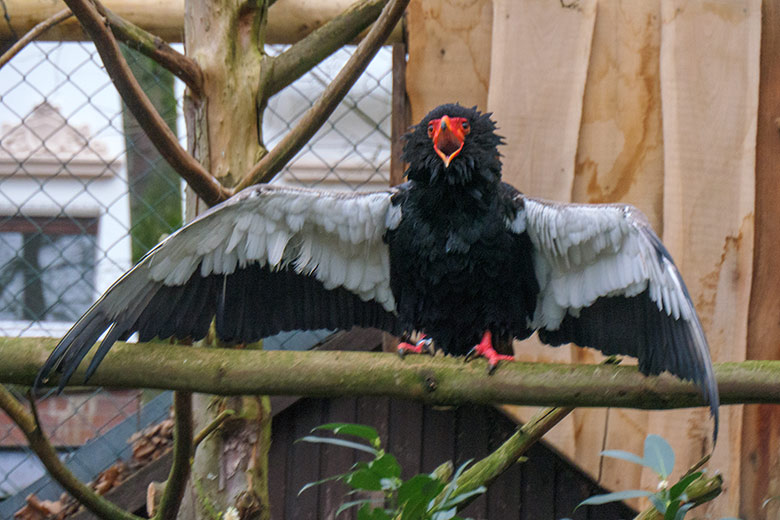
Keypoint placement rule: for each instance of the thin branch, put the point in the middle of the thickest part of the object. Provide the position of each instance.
(318, 45)
(700, 491)
(211, 427)
(181, 66)
(48, 456)
(485, 471)
(33, 33)
(141, 107)
(182, 452)
(436, 380)
(316, 116)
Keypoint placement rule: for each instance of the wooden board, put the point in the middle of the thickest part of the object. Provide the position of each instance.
(449, 50)
(620, 159)
(709, 84)
(536, 96)
(760, 469)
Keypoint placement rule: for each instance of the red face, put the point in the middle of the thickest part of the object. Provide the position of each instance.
(448, 135)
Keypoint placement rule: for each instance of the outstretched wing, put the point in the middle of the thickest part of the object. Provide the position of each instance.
(606, 281)
(266, 260)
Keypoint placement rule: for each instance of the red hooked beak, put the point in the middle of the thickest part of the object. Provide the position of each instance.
(448, 136)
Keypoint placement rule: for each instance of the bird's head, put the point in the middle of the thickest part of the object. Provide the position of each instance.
(453, 145)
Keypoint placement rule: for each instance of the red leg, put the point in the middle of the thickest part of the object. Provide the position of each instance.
(485, 349)
(424, 346)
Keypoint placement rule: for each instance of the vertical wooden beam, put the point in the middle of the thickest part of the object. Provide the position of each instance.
(401, 114)
(709, 88)
(540, 55)
(541, 51)
(620, 159)
(449, 50)
(760, 471)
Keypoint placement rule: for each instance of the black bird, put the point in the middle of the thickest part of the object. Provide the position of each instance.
(454, 254)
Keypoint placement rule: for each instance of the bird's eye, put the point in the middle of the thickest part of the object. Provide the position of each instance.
(430, 129)
(465, 126)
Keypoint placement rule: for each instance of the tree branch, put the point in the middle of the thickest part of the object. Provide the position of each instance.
(181, 66)
(48, 456)
(436, 380)
(700, 491)
(316, 116)
(33, 34)
(136, 100)
(318, 45)
(182, 452)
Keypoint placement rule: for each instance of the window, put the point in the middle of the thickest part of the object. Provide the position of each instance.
(47, 267)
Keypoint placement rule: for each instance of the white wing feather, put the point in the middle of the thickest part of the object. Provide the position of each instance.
(584, 252)
(336, 237)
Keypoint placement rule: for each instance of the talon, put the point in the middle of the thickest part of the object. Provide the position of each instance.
(424, 346)
(485, 349)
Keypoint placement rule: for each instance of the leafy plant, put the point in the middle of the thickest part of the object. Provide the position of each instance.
(673, 502)
(426, 496)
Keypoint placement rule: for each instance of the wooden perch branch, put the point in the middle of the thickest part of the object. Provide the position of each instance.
(182, 452)
(318, 45)
(48, 456)
(156, 48)
(139, 104)
(439, 380)
(34, 33)
(316, 116)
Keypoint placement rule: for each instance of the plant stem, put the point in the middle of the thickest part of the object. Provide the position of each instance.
(182, 451)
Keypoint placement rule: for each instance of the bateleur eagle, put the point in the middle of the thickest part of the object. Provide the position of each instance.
(454, 254)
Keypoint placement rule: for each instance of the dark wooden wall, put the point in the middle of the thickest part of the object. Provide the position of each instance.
(422, 437)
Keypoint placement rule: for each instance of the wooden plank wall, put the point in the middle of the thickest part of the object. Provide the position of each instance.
(422, 437)
(655, 103)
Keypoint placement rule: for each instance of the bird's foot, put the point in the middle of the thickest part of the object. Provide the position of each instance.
(424, 346)
(485, 349)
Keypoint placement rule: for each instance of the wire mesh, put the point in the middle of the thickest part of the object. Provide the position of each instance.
(83, 194)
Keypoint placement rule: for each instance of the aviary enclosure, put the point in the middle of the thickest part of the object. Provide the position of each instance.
(669, 105)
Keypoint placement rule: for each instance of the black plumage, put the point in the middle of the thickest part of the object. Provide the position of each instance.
(453, 253)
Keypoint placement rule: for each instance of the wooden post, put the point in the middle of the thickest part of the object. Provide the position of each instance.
(760, 470)
(226, 39)
(709, 85)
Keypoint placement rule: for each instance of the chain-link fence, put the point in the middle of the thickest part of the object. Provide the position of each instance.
(83, 195)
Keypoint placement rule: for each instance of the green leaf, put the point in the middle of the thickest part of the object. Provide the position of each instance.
(457, 499)
(368, 513)
(624, 455)
(358, 430)
(339, 442)
(617, 496)
(658, 503)
(678, 489)
(386, 466)
(449, 514)
(415, 495)
(346, 505)
(454, 481)
(422, 487)
(364, 479)
(317, 483)
(659, 455)
(683, 509)
(671, 510)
